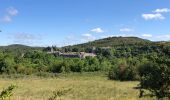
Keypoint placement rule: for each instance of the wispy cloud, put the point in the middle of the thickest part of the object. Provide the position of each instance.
(163, 10)
(25, 38)
(9, 13)
(5, 18)
(126, 30)
(70, 40)
(156, 37)
(146, 35)
(97, 30)
(156, 16)
(163, 36)
(12, 11)
(88, 37)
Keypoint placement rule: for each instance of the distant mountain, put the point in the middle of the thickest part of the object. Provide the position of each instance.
(113, 41)
(19, 48)
(15, 46)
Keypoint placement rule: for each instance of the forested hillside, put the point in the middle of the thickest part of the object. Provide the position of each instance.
(114, 41)
(109, 43)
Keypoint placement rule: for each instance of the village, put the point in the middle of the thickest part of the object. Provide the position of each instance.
(80, 55)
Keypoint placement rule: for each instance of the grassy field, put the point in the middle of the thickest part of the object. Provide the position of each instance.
(77, 86)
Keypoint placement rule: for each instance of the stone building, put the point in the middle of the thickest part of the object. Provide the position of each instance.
(81, 55)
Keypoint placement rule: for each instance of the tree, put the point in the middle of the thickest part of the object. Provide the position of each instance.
(105, 65)
(123, 71)
(155, 77)
(7, 64)
(78, 65)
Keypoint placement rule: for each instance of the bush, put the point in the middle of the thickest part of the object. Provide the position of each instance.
(56, 67)
(155, 77)
(7, 93)
(58, 93)
(77, 66)
(123, 72)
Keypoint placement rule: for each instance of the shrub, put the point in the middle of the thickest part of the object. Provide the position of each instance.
(58, 93)
(7, 93)
(155, 77)
(122, 72)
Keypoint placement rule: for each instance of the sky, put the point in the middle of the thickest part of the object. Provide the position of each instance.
(68, 22)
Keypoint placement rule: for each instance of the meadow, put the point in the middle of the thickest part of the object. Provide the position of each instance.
(75, 86)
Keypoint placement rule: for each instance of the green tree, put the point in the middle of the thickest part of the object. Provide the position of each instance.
(155, 77)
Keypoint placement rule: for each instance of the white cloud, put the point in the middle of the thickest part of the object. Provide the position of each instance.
(97, 30)
(126, 30)
(12, 11)
(156, 16)
(25, 38)
(88, 37)
(164, 36)
(6, 19)
(156, 37)
(147, 35)
(163, 10)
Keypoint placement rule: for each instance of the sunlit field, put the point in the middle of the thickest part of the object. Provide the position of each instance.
(74, 87)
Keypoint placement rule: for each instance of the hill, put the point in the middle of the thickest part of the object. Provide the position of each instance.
(18, 48)
(164, 43)
(113, 41)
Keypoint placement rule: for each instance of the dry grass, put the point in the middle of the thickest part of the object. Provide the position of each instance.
(82, 87)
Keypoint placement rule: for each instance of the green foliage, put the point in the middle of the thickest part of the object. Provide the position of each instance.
(123, 58)
(7, 93)
(91, 64)
(105, 65)
(110, 42)
(123, 72)
(58, 93)
(7, 64)
(118, 56)
(155, 77)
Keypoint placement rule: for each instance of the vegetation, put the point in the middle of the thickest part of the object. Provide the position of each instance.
(111, 42)
(58, 93)
(124, 72)
(7, 93)
(155, 77)
(121, 58)
(81, 86)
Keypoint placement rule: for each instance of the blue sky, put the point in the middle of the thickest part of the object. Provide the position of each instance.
(66, 22)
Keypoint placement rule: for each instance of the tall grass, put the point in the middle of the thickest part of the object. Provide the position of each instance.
(81, 86)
